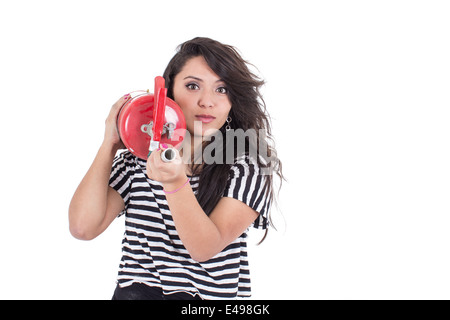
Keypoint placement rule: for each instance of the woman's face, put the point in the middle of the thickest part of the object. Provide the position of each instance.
(202, 96)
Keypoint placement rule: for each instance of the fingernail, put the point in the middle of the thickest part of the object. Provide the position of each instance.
(126, 96)
(164, 145)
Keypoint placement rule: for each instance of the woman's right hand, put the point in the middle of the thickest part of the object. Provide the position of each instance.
(112, 137)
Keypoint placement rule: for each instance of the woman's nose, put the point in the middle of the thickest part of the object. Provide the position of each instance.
(206, 99)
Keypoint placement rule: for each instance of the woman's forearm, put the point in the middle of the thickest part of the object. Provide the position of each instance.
(197, 231)
(88, 206)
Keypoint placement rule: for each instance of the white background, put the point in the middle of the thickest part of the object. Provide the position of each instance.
(359, 96)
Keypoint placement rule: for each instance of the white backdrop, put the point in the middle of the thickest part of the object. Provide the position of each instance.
(359, 95)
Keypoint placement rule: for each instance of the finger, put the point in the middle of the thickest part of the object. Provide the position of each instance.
(118, 106)
(122, 100)
(154, 157)
(165, 146)
(150, 167)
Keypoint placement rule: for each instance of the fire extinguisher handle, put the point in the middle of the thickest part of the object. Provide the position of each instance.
(159, 107)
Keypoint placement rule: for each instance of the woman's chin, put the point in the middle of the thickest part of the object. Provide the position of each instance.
(204, 132)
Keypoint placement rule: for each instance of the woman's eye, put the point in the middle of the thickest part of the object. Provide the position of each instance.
(222, 90)
(192, 86)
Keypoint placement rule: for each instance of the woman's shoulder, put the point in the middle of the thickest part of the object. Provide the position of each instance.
(247, 160)
(247, 165)
(128, 157)
(125, 160)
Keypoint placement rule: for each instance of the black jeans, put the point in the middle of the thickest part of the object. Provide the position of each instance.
(140, 291)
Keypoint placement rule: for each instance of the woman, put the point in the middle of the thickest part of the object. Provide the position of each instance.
(186, 221)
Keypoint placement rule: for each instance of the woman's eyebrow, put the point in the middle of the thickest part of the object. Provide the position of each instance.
(192, 77)
(200, 80)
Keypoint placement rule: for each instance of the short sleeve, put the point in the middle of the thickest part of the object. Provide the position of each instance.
(120, 177)
(246, 183)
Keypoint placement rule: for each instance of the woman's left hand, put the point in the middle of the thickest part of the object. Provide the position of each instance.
(168, 173)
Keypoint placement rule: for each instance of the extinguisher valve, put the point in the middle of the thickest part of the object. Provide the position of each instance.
(168, 129)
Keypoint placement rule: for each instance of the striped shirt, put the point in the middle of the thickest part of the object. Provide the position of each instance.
(152, 252)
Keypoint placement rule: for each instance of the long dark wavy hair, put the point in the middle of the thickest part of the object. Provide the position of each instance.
(248, 111)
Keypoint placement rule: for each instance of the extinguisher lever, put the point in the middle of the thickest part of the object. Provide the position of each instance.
(159, 110)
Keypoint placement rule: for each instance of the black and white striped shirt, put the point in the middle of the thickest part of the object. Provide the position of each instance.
(152, 252)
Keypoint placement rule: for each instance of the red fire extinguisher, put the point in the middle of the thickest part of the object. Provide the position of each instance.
(146, 120)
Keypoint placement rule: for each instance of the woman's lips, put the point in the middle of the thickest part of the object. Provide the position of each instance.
(204, 118)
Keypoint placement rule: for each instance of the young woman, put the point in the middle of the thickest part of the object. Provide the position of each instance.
(186, 222)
